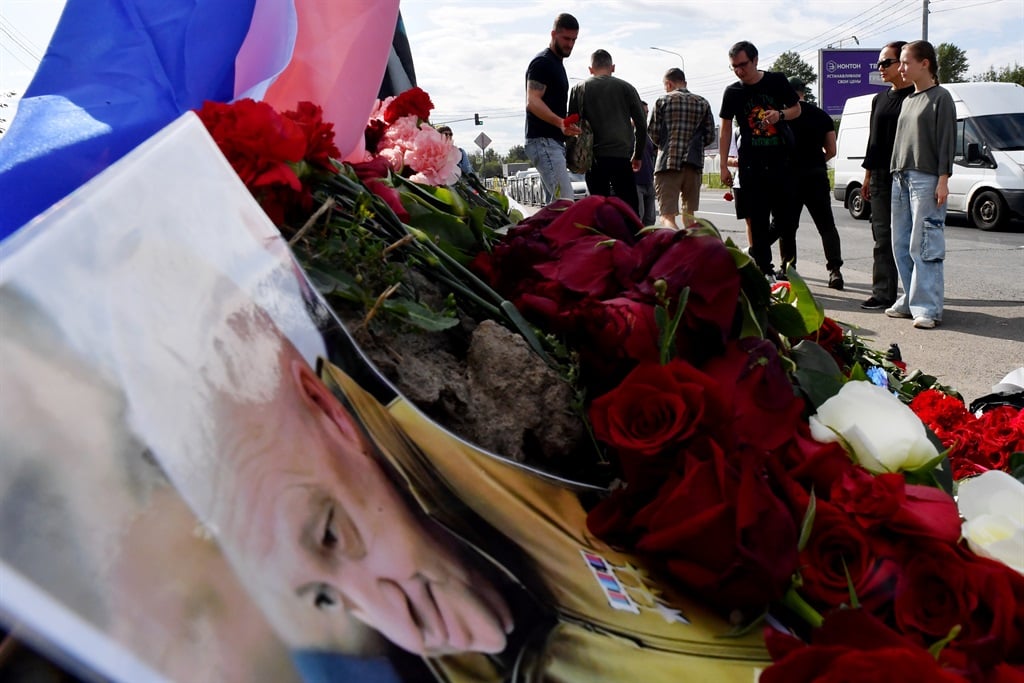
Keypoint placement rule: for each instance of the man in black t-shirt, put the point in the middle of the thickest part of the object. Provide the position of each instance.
(815, 137)
(547, 96)
(760, 102)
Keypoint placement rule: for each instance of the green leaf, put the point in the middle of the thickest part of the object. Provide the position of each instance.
(936, 649)
(858, 374)
(854, 601)
(448, 230)
(816, 372)
(1017, 465)
(808, 522)
(787, 320)
(331, 282)
(419, 315)
(810, 310)
(936, 472)
(749, 325)
(669, 327)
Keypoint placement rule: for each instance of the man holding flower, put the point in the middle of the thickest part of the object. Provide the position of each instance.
(547, 95)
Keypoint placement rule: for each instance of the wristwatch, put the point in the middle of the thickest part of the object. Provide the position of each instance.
(782, 115)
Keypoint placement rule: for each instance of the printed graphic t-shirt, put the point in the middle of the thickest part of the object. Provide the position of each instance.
(760, 142)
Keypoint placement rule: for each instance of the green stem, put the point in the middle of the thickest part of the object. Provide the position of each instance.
(801, 608)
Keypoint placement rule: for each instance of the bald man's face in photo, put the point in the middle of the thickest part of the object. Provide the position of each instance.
(329, 531)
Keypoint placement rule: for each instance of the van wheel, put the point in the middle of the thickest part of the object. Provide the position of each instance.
(988, 210)
(856, 205)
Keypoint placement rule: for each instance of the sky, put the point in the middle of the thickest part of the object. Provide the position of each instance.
(471, 55)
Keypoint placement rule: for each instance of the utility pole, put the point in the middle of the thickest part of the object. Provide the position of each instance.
(924, 21)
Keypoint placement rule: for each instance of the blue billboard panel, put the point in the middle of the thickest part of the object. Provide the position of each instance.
(847, 73)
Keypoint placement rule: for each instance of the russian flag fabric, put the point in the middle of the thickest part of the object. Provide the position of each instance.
(117, 71)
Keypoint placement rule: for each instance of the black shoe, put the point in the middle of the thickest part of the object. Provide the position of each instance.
(835, 280)
(874, 304)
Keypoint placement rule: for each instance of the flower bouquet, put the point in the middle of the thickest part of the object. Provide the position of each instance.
(750, 449)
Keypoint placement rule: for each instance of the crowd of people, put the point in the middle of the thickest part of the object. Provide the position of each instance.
(778, 143)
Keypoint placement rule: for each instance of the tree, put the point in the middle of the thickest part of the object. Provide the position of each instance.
(517, 153)
(1006, 74)
(791, 64)
(952, 63)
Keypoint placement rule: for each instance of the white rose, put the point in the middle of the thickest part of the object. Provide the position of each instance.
(875, 427)
(993, 506)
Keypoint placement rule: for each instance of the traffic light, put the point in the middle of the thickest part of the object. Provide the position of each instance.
(476, 120)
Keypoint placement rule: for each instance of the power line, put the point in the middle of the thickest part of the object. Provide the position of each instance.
(26, 45)
(977, 4)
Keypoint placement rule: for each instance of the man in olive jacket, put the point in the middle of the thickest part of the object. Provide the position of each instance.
(612, 108)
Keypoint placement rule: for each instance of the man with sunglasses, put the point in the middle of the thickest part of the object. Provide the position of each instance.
(761, 102)
(877, 187)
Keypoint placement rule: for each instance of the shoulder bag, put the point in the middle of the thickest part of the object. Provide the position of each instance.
(579, 149)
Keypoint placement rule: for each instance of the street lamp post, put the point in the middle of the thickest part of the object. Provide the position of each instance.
(681, 62)
(842, 40)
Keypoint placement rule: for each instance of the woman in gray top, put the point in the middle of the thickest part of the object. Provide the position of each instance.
(922, 161)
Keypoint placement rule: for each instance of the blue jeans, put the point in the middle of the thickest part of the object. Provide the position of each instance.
(548, 157)
(918, 243)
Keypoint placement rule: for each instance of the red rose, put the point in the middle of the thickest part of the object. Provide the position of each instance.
(766, 410)
(836, 546)
(509, 268)
(675, 260)
(942, 587)
(608, 216)
(727, 196)
(721, 531)
(656, 407)
(413, 102)
(320, 147)
(611, 335)
(888, 502)
(812, 464)
(829, 336)
(851, 646)
(545, 301)
(592, 265)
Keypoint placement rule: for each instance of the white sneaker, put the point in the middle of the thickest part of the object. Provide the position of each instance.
(893, 312)
(923, 323)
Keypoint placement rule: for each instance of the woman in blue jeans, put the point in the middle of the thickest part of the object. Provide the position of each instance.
(922, 161)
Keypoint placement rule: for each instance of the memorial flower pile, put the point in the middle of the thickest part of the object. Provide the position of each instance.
(767, 460)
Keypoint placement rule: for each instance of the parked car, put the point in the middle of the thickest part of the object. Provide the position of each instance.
(525, 187)
(988, 165)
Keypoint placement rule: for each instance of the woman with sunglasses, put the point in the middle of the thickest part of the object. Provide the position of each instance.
(922, 161)
(877, 187)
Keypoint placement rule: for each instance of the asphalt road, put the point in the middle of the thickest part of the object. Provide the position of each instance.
(981, 337)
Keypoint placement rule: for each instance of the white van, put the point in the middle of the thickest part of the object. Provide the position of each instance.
(988, 164)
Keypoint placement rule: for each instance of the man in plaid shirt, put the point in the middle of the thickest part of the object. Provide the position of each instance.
(681, 127)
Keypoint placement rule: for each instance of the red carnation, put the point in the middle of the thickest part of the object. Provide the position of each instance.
(413, 102)
(320, 147)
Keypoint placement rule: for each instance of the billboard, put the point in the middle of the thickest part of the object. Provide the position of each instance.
(847, 73)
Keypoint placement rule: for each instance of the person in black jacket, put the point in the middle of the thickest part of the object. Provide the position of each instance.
(877, 187)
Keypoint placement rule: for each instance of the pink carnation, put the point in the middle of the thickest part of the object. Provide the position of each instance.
(434, 158)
